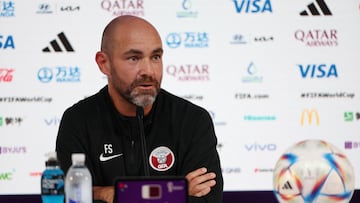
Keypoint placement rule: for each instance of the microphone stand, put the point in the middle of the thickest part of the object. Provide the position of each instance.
(140, 117)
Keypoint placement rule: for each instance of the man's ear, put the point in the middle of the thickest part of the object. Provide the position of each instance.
(102, 61)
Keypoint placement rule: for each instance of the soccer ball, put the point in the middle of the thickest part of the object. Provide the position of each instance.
(313, 171)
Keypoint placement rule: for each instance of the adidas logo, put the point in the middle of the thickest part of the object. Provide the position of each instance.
(61, 45)
(315, 9)
(287, 186)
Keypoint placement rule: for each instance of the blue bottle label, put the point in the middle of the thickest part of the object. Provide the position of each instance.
(52, 185)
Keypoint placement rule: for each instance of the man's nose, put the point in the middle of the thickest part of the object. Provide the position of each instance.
(147, 67)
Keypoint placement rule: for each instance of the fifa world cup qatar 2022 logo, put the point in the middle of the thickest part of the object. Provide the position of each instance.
(161, 159)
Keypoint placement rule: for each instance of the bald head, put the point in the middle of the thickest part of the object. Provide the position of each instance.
(125, 25)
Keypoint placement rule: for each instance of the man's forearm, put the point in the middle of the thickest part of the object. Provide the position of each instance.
(105, 194)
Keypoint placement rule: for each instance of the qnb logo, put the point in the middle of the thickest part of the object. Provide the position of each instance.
(124, 7)
(317, 37)
(253, 6)
(316, 8)
(189, 72)
(311, 116)
(263, 170)
(7, 42)
(6, 74)
(59, 74)
(59, 46)
(188, 40)
(318, 71)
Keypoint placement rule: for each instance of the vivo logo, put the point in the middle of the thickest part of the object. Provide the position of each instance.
(52, 121)
(260, 147)
(318, 71)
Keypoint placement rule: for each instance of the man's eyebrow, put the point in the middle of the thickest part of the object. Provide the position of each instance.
(158, 50)
(136, 51)
(133, 51)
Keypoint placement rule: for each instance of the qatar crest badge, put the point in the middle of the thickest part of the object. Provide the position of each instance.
(161, 158)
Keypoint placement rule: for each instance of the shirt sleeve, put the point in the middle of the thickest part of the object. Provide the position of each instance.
(71, 139)
(203, 153)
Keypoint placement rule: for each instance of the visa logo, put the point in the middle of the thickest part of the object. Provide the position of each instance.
(318, 71)
(6, 42)
(253, 6)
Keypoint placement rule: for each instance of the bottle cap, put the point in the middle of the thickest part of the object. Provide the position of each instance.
(78, 158)
(52, 159)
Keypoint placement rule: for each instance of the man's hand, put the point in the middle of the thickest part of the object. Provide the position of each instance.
(200, 182)
(104, 193)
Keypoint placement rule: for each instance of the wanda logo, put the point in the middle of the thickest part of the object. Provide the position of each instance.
(6, 75)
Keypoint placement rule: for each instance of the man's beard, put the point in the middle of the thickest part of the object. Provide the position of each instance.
(137, 97)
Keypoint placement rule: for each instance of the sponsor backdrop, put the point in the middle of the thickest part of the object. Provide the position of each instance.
(269, 72)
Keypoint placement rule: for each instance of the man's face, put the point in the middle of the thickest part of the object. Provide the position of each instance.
(136, 66)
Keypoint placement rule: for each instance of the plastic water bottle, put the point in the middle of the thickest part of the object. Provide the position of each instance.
(78, 182)
(52, 181)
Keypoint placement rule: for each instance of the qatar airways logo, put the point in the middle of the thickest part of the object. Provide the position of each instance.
(4, 150)
(124, 7)
(317, 37)
(189, 72)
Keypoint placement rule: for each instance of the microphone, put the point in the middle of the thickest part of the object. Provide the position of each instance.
(140, 117)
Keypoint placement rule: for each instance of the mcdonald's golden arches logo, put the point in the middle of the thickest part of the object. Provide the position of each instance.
(311, 115)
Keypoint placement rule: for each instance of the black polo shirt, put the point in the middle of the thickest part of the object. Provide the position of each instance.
(180, 138)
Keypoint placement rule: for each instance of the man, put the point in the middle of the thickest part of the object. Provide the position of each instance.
(179, 135)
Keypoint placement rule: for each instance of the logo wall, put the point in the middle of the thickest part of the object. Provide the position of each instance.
(264, 85)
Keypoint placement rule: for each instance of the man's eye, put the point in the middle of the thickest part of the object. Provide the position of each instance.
(157, 57)
(133, 58)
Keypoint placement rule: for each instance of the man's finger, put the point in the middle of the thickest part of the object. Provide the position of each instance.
(195, 173)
